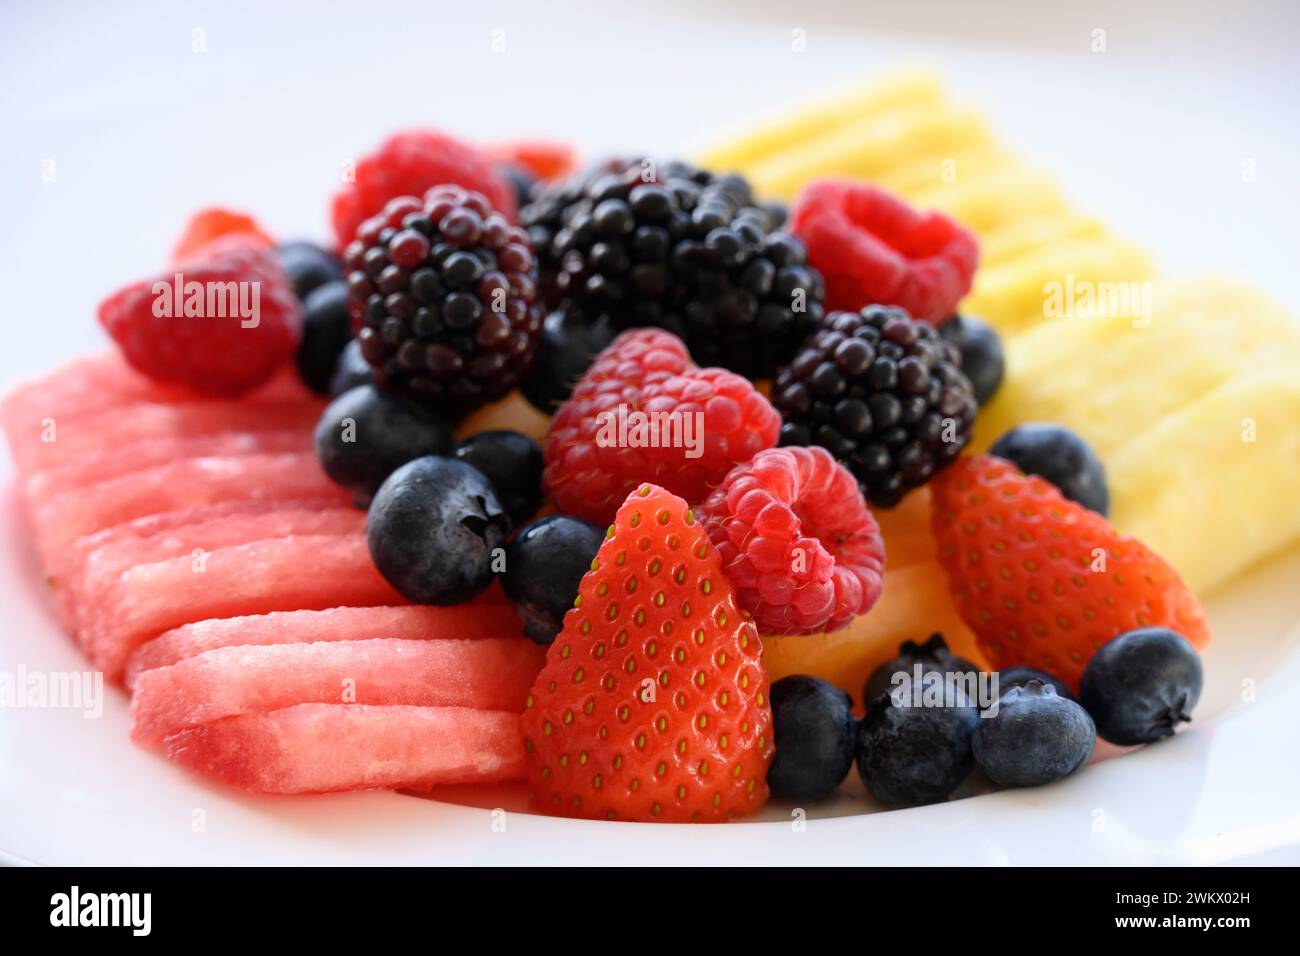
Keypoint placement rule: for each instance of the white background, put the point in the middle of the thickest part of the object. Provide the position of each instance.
(1150, 135)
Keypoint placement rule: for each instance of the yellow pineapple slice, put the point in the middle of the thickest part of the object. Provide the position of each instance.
(1057, 281)
(862, 150)
(1014, 240)
(1212, 488)
(916, 174)
(986, 203)
(911, 88)
(1107, 378)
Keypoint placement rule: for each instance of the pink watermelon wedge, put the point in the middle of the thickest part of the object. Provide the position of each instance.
(114, 462)
(490, 674)
(96, 382)
(66, 441)
(316, 748)
(471, 621)
(62, 518)
(84, 595)
(309, 571)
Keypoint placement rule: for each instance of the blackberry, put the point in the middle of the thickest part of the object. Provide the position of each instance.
(676, 247)
(885, 394)
(443, 296)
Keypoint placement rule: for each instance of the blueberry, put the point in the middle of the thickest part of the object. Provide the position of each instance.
(910, 754)
(513, 463)
(366, 433)
(352, 370)
(816, 738)
(434, 530)
(308, 266)
(933, 656)
(521, 181)
(1060, 456)
(569, 343)
(544, 566)
(981, 353)
(1141, 685)
(326, 329)
(1010, 677)
(1035, 737)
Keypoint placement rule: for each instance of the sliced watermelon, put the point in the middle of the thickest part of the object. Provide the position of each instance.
(84, 595)
(113, 462)
(315, 748)
(490, 674)
(60, 519)
(71, 439)
(281, 574)
(471, 621)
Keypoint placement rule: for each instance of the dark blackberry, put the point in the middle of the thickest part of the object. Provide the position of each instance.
(443, 295)
(883, 393)
(676, 247)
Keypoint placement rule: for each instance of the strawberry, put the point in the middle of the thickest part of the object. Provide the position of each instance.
(1043, 581)
(653, 703)
(214, 223)
(644, 412)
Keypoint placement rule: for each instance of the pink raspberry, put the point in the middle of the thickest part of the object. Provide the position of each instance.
(645, 413)
(797, 541)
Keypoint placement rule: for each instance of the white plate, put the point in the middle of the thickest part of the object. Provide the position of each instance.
(142, 128)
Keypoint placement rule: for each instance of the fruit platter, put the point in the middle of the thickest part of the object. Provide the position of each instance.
(843, 468)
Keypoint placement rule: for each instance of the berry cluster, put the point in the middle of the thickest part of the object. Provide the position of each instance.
(883, 393)
(443, 295)
(675, 247)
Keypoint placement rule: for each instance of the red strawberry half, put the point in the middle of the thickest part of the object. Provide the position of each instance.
(653, 701)
(1043, 581)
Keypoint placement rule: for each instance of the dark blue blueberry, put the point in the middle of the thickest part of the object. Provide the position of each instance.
(933, 656)
(513, 463)
(1060, 456)
(569, 343)
(435, 529)
(981, 353)
(1140, 686)
(366, 433)
(910, 753)
(1035, 737)
(326, 330)
(545, 564)
(308, 266)
(1010, 677)
(352, 370)
(520, 179)
(816, 738)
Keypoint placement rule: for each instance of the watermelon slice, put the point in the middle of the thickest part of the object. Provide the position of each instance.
(114, 462)
(315, 748)
(494, 673)
(309, 571)
(60, 519)
(410, 622)
(72, 439)
(84, 595)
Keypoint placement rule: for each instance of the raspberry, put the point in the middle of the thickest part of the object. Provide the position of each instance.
(884, 394)
(540, 159)
(226, 353)
(644, 412)
(797, 541)
(214, 223)
(1042, 581)
(442, 294)
(655, 612)
(675, 247)
(872, 248)
(409, 164)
